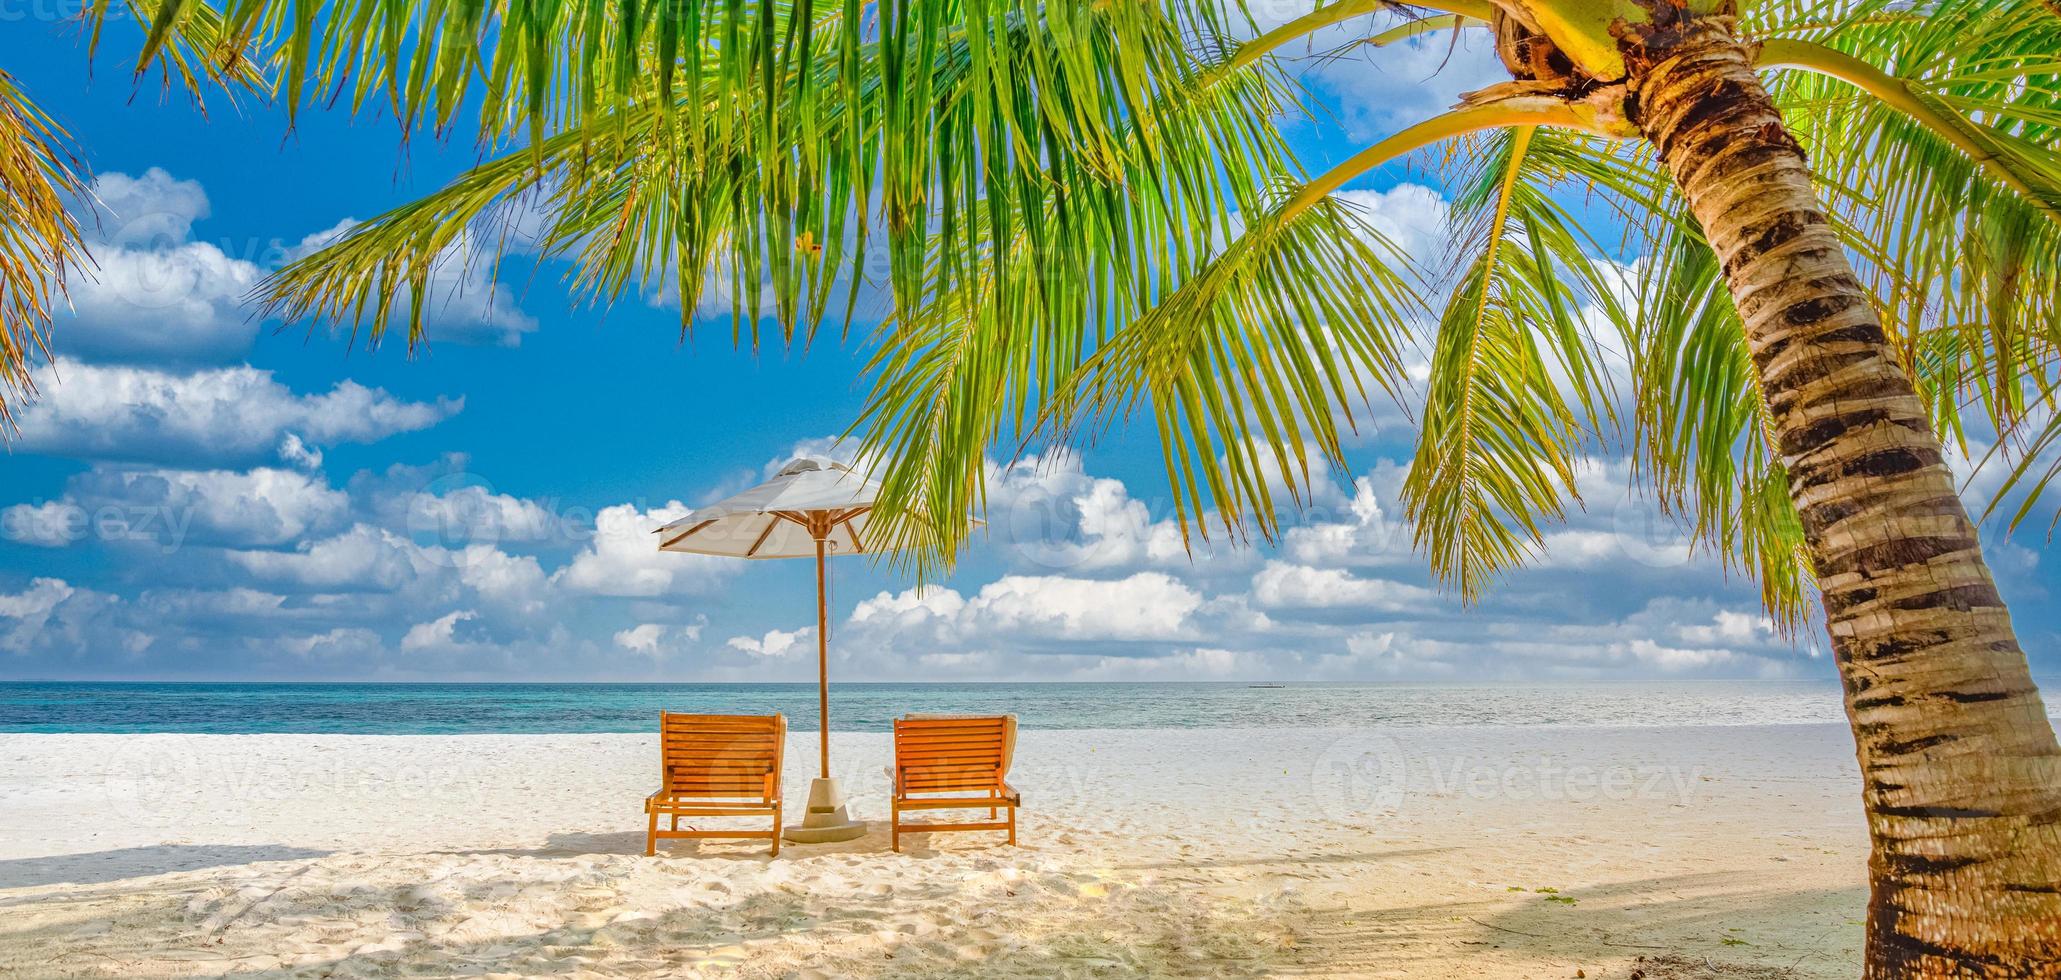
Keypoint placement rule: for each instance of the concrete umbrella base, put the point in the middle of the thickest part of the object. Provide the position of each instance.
(826, 820)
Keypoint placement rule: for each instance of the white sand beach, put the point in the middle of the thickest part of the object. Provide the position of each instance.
(1419, 852)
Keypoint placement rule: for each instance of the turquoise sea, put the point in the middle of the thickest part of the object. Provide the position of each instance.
(398, 709)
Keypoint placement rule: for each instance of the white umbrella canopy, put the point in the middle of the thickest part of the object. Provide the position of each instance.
(811, 498)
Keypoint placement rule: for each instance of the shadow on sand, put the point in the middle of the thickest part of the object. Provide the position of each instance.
(1679, 926)
(101, 867)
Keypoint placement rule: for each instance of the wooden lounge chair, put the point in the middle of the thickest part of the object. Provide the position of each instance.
(953, 763)
(717, 766)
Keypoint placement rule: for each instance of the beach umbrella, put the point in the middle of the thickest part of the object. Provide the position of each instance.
(814, 507)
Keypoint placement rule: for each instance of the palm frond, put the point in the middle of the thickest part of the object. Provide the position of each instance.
(1948, 180)
(1006, 324)
(39, 237)
(929, 137)
(1516, 384)
(1702, 441)
(1254, 363)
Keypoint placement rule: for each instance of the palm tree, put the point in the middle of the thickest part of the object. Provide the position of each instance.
(1086, 210)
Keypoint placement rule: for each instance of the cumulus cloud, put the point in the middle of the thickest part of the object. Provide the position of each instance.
(656, 640)
(516, 582)
(1047, 513)
(1414, 218)
(1288, 586)
(775, 643)
(362, 558)
(67, 624)
(623, 558)
(1144, 606)
(437, 634)
(150, 291)
(220, 415)
(29, 609)
(173, 507)
(1363, 533)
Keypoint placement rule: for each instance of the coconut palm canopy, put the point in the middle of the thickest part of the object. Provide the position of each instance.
(1839, 240)
(1051, 195)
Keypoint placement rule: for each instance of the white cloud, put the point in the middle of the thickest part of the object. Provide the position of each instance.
(437, 634)
(1281, 585)
(517, 582)
(1414, 218)
(1200, 664)
(155, 207)
(1046, 512)
(30, 609)
(171, 507)
(893, 610)
(1364, 536)
(655, 640)
(294, 452)
(1144, 606)
(642, 638)
(363, 557)
(776, 643)
(1147, 605)
(470, 514)
(1731, 626)
(149, 291)
(356, 643)
(624, 560)
(218, 415)
(68, 623)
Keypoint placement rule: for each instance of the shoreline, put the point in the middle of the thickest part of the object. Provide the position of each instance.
(1240, 851)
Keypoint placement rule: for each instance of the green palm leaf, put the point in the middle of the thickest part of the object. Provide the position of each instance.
(39, 237)
(1516, 384)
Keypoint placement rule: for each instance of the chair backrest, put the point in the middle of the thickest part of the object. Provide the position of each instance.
(722, 755)
(953, 754)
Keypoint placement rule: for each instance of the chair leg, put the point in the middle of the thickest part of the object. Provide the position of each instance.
(651, 836)
(776, 835)
(894, 819)
(1012, 826)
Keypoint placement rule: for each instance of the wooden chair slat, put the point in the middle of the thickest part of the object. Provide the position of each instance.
(947, 756)
(707, 756)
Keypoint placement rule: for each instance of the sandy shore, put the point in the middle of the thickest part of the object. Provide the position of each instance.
(1473, 852)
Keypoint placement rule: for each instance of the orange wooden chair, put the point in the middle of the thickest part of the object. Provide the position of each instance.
(717, 766)
(953, 763)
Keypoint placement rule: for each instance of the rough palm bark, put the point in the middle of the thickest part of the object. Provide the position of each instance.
(1962, 776)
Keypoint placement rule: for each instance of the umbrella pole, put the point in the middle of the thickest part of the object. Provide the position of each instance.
(827, 819)
(822, 658)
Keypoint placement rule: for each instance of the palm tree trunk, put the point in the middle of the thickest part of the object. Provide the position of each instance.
(1961, 773)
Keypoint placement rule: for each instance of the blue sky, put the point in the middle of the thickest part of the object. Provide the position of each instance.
(198, 496)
